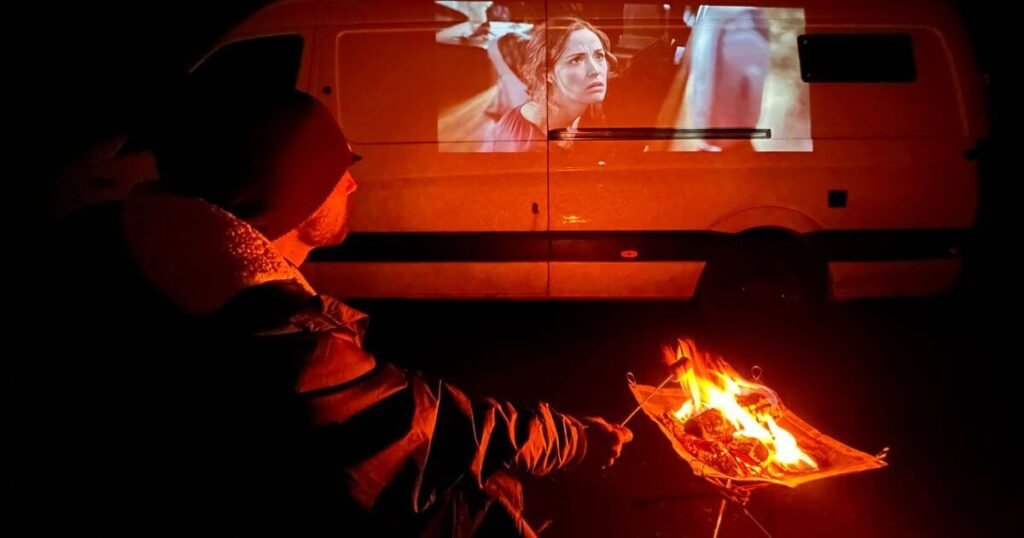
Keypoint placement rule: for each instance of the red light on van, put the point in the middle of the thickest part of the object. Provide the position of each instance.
(629, 254)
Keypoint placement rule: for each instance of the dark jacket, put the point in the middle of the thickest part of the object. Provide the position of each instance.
(222, 394)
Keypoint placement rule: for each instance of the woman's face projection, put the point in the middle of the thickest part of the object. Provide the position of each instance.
(581, 71)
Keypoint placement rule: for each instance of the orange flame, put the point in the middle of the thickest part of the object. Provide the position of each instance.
(750, 408)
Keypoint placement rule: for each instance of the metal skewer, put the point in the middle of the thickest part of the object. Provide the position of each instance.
(641, 406)
(671, 376)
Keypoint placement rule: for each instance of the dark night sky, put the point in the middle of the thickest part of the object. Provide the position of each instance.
(77, 73)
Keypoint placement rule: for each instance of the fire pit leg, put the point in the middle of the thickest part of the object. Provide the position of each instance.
(756, 522)
(741, 503)
(718, 524)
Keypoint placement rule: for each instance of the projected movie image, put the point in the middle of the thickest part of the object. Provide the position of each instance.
(682, 77)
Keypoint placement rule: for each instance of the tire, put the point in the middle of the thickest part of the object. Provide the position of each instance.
(762, 281)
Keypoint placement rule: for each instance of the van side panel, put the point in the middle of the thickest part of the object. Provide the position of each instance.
(856, 280)
(434, 280)
(625, 280)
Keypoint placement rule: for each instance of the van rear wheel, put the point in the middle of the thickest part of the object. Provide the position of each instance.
(762, 282)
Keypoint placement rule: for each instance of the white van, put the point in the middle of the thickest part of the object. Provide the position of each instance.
(822, 144)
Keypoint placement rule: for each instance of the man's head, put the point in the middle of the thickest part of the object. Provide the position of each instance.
(276, 160)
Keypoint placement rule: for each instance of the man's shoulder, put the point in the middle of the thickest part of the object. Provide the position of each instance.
(264, 307)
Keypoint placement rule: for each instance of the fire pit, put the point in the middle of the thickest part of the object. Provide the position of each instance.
(736, 433)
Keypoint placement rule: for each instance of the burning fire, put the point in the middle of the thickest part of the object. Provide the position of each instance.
(731, 421)
(731, 430)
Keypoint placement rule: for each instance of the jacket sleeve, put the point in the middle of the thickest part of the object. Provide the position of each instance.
(494, 435)
(536, 439)
(389, 422)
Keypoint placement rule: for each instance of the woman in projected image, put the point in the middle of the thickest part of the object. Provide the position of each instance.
(565, 81)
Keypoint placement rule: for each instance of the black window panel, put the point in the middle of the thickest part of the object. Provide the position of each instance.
(857, 58)
(268, 64)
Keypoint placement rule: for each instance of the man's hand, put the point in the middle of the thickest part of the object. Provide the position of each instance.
(604, 440)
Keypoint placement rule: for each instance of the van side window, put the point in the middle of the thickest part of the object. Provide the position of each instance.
(265, 63)
(857, 58)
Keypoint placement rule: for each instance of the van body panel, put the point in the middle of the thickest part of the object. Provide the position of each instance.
(890, 183)
(438, 280)
(625, 280)
(861, 280)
